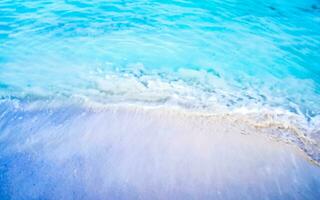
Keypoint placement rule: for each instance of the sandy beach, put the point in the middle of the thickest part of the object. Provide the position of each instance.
(137, 153)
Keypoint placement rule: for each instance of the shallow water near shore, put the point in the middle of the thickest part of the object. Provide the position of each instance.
(157, 99)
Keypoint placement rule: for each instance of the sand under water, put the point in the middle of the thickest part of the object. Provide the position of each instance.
(135, 152)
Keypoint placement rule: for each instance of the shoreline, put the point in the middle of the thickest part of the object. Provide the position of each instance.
(264, 122)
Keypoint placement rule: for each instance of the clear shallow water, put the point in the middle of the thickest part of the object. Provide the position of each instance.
(259, 59)
(195, 53)
(213, 56)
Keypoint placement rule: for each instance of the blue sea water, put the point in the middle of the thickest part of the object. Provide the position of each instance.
(199, 53)
(258, 58)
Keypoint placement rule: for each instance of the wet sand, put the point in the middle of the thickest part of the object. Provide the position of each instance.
(134, 153)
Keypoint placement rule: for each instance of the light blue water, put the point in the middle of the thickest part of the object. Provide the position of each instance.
(198, 53)
(249, 56)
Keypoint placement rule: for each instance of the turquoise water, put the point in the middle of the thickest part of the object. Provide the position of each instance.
(195, 53)
(256, 58)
